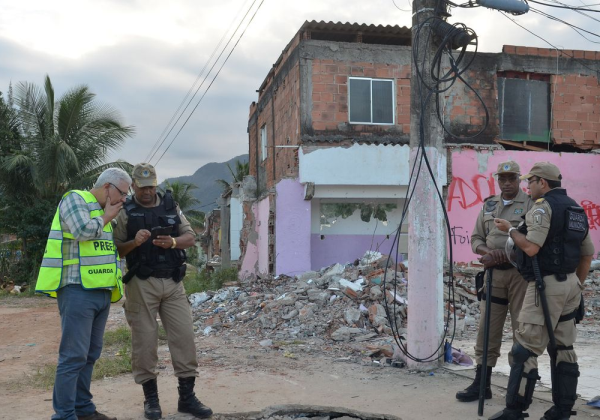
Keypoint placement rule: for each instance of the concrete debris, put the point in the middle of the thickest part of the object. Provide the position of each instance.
(356, 309)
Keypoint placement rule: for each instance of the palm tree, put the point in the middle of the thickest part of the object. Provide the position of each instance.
(61, 144)
(64, 143)
(182, 194)
(241, 170)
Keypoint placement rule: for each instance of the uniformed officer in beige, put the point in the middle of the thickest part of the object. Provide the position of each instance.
(156, 265)
(556, 234)
(508, 286)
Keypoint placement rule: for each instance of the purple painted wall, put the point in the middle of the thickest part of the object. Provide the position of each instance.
(344, 248)
(292, 227)
(473, 181)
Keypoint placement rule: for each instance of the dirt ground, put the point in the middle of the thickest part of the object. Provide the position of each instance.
(237, 377)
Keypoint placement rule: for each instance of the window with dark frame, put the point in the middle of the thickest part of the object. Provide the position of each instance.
(370, 101)
(524, 109)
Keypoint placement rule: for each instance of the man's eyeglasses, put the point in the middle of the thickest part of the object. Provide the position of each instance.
(123, 194)
(532, 180)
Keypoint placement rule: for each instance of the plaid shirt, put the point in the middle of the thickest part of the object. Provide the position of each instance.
(75, 219)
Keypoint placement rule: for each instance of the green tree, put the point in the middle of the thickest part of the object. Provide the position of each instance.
(241, 170)
(48, 147)
(182, 194)
(64, 143)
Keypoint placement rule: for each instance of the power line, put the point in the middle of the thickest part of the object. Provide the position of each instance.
(563, 6)
(158, 142)
(211, 83)
(205, 78)
(552, 45)
(581, 13)
(575, 28)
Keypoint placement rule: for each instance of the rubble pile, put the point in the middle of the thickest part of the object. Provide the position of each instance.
(466, 306)
(341, 306)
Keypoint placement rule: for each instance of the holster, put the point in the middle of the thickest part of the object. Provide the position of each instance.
(144, 272)
(479, 280)
(580, 311)
(130, 273)
(179, 273)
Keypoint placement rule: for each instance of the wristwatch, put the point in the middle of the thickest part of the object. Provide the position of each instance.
(175, 243)
(511, 229)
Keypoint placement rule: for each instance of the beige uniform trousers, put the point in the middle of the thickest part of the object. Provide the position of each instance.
(144, 299)
(508, 285)
(563, 298)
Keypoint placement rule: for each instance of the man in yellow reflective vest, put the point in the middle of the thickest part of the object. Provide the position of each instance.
(81, 269)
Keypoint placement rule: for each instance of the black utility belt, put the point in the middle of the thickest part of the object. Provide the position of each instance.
(177, 274)
(505, 266)
(559, 277)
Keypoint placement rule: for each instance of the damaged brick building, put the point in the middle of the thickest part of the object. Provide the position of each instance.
(329, 134)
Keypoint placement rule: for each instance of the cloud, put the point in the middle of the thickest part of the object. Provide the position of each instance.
(142, 57)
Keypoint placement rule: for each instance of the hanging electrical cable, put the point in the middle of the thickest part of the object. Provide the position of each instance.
(450, 37)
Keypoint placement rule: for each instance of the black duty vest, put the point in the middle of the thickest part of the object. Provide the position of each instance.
(139, 217)
(560, 253)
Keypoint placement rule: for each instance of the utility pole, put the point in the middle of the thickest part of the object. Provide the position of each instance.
(426, 243)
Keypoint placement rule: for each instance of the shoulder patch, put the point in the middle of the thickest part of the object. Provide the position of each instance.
(490, 206)
(539, 201)
(491, 196)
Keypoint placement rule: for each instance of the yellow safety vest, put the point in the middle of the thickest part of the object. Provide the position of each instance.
(99, 263)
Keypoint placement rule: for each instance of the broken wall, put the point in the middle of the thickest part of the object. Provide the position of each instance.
(473, 181)
(256, 256)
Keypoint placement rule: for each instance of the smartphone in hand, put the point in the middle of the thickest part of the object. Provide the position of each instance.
(160, 230)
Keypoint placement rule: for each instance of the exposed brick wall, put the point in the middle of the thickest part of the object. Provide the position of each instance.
(575, 98)
(287, 125)
(576, 110)
(464, 114)
(551, 52)
(330, 95)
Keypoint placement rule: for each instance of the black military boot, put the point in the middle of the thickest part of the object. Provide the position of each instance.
(556, 413)
(471, 393)
(188, 403)
(152, 409)
(509, 414)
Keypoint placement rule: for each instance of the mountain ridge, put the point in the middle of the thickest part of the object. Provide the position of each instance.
(205, 179)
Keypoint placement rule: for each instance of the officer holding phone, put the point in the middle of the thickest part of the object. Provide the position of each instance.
(152, 234)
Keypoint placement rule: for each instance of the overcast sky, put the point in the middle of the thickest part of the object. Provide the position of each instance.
(142, 57)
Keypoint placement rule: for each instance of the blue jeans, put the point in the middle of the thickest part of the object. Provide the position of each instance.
(83, 315)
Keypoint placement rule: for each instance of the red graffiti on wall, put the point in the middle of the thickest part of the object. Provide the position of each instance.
(470, 194)
(592, 212)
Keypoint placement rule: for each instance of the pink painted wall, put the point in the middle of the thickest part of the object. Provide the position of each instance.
(256, 257)
(262, 227)
(292, 227)
(473, 181)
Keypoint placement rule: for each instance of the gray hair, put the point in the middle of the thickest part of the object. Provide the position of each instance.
(112, 176)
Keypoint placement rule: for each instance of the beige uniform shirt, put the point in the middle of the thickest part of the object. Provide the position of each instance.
(120, 224)
(538, 226)
(485, 232)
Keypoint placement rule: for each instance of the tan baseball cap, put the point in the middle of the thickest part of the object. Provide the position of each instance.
(544, 170)
(144, 175)
(509, 167)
